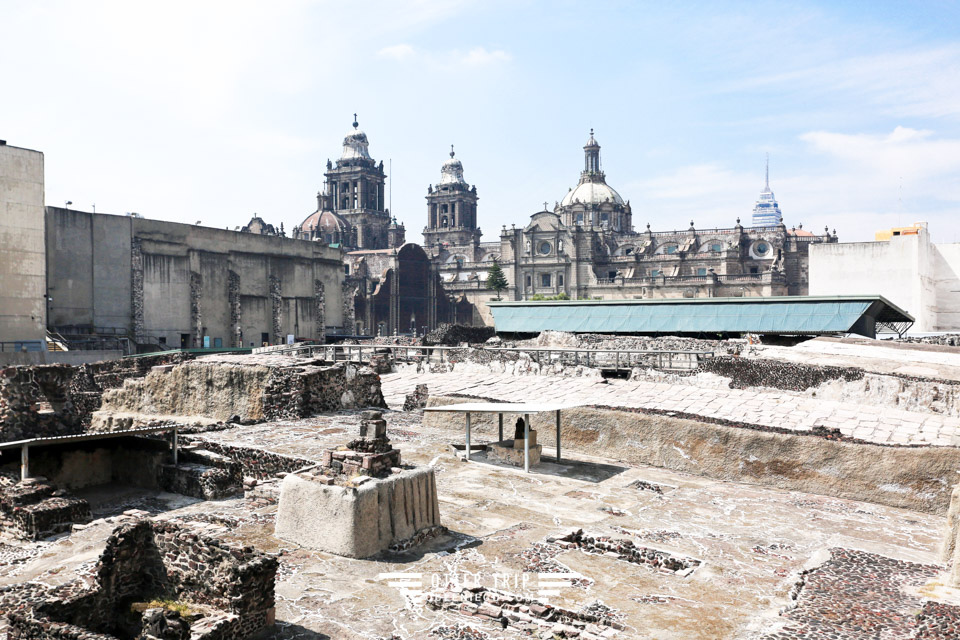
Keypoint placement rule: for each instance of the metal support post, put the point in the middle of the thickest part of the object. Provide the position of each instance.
(24, 462)
(558, 435)
(526, 442)
(468, 435)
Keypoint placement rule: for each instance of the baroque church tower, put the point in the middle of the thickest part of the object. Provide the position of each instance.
(351, 210)
(451, 210)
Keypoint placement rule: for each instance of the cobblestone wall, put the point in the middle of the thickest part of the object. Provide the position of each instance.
(321, 303)
(257, 463)
(136, 288)
(276, 308)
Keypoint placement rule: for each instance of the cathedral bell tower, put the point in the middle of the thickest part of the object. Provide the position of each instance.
(451, 210)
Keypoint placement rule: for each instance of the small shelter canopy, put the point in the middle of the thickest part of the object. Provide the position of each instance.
(500, 408)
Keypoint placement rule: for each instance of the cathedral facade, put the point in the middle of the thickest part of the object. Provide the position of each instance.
(587, 248)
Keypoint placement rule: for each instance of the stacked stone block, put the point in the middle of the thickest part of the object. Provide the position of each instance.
(35, 509)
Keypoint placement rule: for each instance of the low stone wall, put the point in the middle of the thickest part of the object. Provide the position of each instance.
(202, 474)
(456, 334)
(357, 520)
(524, 615)
(918, 478)
(256, 463)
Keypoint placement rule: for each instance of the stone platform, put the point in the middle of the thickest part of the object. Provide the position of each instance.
(360, 518)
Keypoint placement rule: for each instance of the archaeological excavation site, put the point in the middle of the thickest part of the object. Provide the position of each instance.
(473, 487)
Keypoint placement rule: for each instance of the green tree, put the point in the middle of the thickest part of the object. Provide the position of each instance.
(496, 280)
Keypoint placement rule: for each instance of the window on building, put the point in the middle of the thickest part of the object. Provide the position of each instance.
(528, 282)
(544, 279)
(715, 247)
(654, 273)
(754, 270)
(443, 221)
(611, 274)
(579, 218)
(443, 208)
(453, 220)
(559, 279)
(545, 248)
(162, 340)
(453, 207)
(346, 269)
(702, 271)
(671, 249)
(628, 251)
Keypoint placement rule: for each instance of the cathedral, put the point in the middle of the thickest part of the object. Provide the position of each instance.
(351, 210)
(586, 247)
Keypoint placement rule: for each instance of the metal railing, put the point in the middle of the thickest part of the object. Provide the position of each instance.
(615, 359)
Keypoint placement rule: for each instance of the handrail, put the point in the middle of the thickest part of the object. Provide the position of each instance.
(677, 359)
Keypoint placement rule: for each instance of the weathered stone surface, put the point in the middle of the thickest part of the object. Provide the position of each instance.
(253, 388)
(357, 522)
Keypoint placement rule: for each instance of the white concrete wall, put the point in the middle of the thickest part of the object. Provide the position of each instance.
(920, 277)
(22, 247)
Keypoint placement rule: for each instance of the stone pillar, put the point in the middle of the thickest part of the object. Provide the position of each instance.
(136, 289)
(394, 318)
(196, 318)
(233, 300)
(276, 304)
(321, 311)
(349, 312)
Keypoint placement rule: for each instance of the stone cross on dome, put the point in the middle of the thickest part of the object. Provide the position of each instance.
(451, 151)
(355, 123)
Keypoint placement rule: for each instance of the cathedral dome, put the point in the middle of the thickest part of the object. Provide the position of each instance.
(324, 222)
(591, 193)
(355, 144)
(452, 170)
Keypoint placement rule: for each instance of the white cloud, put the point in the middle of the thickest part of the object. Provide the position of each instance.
(479, 56)
(852, 183)
(475, 57)
(917, 82)
(397, 51)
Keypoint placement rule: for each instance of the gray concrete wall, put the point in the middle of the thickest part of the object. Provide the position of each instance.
(22, 247)
(89, 262)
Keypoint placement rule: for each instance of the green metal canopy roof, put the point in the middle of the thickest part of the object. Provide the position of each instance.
(783, 315)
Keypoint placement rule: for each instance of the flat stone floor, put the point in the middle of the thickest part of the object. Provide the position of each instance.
(753, 542)
(763, 407)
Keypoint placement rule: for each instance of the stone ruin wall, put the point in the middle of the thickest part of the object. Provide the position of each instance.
(222, 390)
(73, 392)
(146, 561)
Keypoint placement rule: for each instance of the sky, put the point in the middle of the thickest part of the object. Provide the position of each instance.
(211, 112)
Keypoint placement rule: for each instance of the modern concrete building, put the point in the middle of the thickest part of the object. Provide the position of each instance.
(907, 269)
(177, 285)
(22, 250)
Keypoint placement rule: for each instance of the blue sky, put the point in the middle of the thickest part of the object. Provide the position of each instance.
(204, 111)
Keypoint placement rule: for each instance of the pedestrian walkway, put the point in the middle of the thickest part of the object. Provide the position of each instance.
(762, 407)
